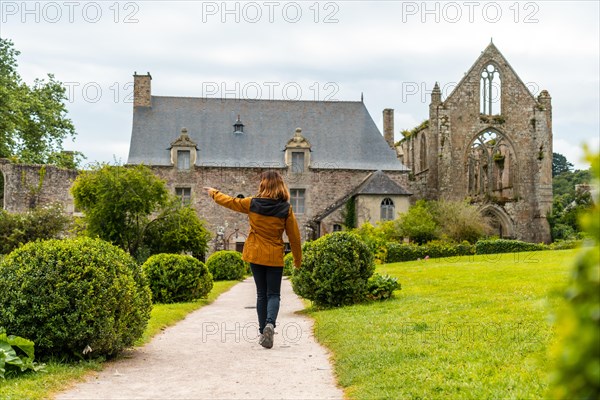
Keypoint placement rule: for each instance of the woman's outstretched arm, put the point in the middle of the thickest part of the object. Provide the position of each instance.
(233, 203)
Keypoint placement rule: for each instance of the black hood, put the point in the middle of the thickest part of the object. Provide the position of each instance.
(270, 207)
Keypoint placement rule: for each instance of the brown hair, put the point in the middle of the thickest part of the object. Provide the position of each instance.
(273, 186)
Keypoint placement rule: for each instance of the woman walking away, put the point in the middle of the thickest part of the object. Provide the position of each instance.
(269, 214)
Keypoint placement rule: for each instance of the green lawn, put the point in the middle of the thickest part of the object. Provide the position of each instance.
(476, 327)
(59, 376)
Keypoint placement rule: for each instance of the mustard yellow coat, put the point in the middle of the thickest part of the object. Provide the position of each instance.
(269, 219)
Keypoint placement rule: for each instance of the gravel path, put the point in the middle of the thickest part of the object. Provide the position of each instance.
(214, 354)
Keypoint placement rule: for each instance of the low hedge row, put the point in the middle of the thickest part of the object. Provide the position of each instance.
(397, 252)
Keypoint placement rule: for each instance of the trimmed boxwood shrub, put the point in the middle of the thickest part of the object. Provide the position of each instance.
(226, 265)
(397, 252)
(177, 278)
(288, 265)
(66, 295)
(335, 270)
(506, 246)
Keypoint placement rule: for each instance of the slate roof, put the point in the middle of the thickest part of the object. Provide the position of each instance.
(343, 134)
(380, 183)
(375, 183)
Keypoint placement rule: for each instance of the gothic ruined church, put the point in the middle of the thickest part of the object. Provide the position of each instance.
(488, 142)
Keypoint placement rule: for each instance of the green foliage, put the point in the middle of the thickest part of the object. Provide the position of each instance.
(459, 221)
(177, 230)
(375, 239)
(288, 265)
(418, 224)
(335, 270)
(118, 201)
(506, 246)
(41, 223)
(33, 119)
(560, 164)
(17, 354)
(349, 213)
(69, 294)
(175, 278)
(381, 287)
(398, 252)
(578, 367)
(406, 133)
(226, 265)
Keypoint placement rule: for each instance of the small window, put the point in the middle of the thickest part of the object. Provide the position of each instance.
(297, 200)
(387, 209)
(337, 227)
(185, 194)
(240, 196)
(183, 159)
(297, 161)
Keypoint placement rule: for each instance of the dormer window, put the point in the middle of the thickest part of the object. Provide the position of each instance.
(183, 152)
(297, 153)
(183, 159)
(238, 127)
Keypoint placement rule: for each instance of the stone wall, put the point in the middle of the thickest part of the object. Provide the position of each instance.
(323, 188)
(28, 186)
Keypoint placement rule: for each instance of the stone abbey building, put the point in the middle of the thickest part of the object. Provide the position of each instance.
(489, 141)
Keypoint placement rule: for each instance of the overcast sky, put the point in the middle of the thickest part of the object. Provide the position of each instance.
(391, 51)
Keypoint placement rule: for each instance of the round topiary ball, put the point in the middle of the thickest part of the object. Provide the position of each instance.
(226, 265)
(177, 278)
(74, 294)
(335, 270)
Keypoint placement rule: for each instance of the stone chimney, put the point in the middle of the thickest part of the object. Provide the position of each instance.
(142, 92)
(388, 126)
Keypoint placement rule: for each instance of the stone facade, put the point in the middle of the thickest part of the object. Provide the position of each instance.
(489, 141)
(322, 188)
(28, 186)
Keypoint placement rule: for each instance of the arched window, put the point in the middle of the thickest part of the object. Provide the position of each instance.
(337, 227)
(491, 166)
(490, 90)
(387, 209)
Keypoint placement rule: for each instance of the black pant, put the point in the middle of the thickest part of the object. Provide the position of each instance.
(268, 293)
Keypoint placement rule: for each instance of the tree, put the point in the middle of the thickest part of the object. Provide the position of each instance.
(33, 120)
(118, 202)
(560, 164)
(460, 221)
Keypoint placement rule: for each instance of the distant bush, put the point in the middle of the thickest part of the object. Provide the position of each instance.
(381, 287)
(16, 229)
(288, 264)
(74, 294)
(418, 224)
(397, 252)
(506, 246)
(335, 270)
(226, 265)
(459, 221)
(566, 244)
(175, 278)
(175, 231)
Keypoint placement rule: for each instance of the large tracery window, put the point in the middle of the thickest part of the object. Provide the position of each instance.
(490, 90)
(491, 167)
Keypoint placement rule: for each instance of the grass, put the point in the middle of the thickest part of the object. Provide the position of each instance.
(468, 327)
(59, 375)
